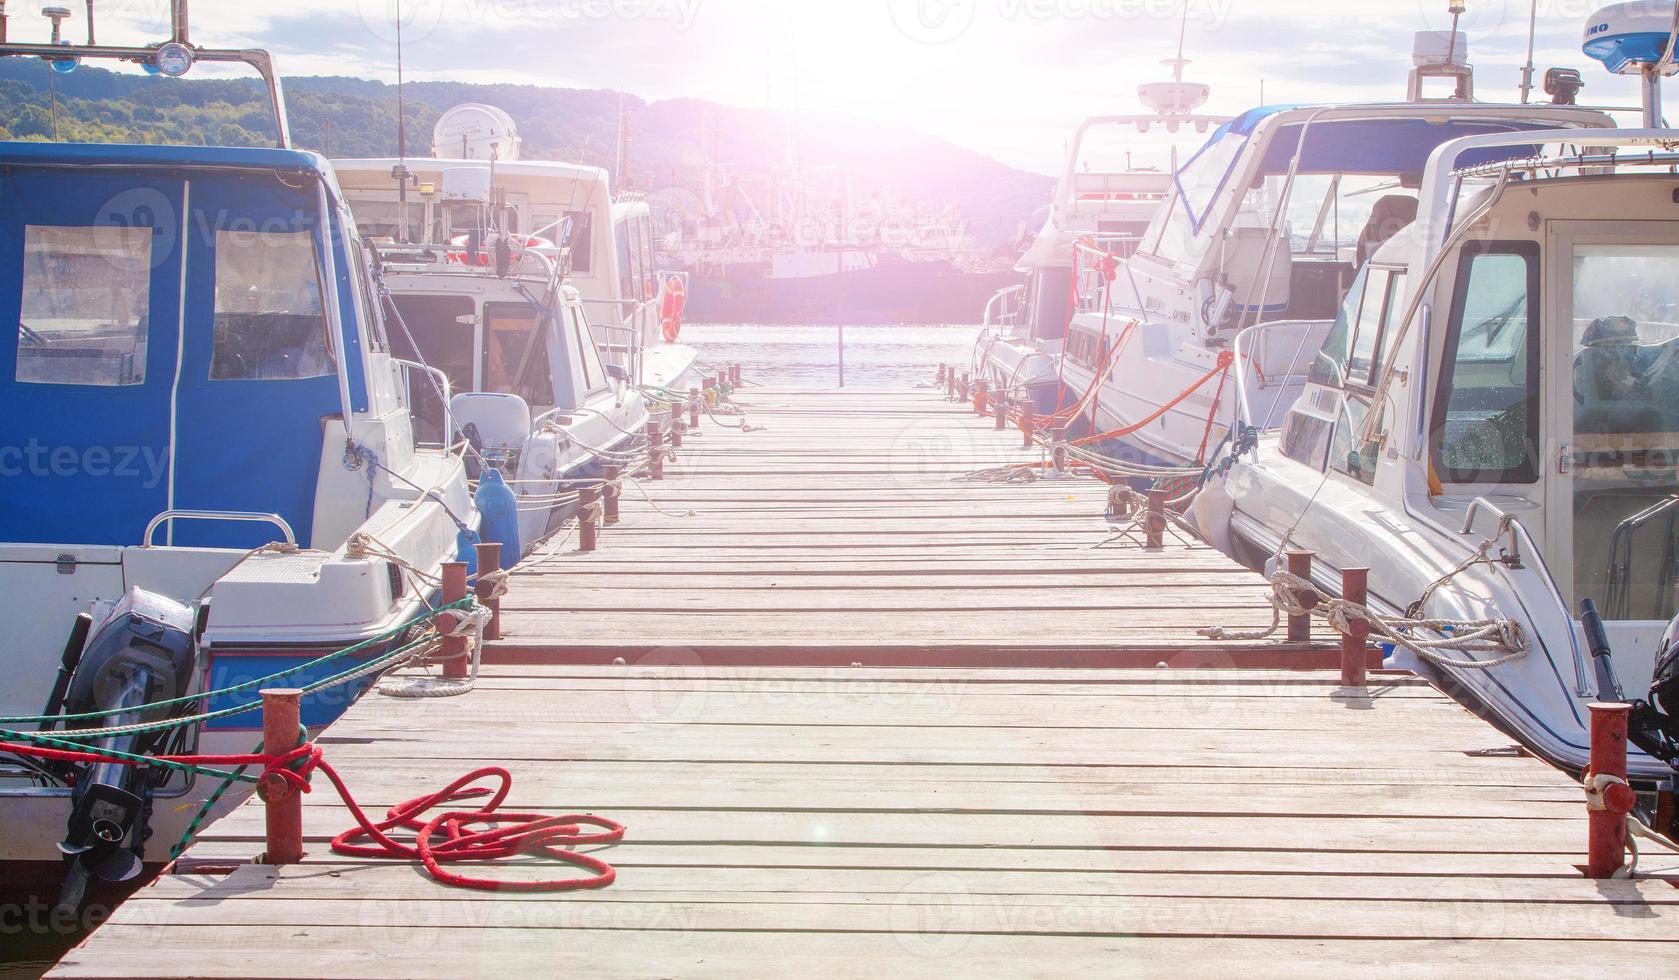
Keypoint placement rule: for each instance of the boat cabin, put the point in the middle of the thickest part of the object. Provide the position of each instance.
(1530, 363)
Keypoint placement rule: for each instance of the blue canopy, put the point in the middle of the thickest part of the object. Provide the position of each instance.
(169, 427)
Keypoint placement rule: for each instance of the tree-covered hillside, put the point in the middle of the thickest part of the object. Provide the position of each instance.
(672, 142)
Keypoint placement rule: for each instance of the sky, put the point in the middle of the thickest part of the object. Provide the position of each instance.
(1009, 78)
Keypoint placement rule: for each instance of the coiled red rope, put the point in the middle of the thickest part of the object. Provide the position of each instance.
(508, 834)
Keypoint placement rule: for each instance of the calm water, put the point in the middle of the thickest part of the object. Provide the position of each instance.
(878, 356)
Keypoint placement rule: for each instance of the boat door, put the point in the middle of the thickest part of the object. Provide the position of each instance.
(1612, 502)
(91, 274)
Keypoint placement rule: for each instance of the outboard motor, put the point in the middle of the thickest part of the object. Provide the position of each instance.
(1654, 723)
(144, 652)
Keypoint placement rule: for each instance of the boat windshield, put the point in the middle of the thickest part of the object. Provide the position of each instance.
(1623, 481)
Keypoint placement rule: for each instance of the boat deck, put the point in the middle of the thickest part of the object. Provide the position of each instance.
(868, 723)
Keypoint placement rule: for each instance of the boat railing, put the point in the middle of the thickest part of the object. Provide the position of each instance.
(1523, 552)
(170, 516)
(444, 389)
(1272, 359)
(416, 257)
(174, 58)
(1091, 256)
(1004, 310)
(622, 346)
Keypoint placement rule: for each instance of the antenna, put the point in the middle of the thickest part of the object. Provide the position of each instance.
(401, 171)
(1527, 69)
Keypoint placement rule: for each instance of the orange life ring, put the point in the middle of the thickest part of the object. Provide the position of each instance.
(670, 310)
(484, 257)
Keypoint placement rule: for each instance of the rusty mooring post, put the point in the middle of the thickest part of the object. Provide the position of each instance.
(610, 494)
(1001, 411)
(1300, 625)
(454, 652)
(281, 708)
(1154, 521)
(587, 540)
(1355, 642)
(1609, 798)
(1058, 448)
(655, 447)
(1028, 426)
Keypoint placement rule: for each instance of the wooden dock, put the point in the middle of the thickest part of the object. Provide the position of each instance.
(869, 721)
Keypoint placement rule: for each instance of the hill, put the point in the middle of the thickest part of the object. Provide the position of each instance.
(672, 142)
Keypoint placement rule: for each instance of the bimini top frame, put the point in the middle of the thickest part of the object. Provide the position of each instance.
(173, 57)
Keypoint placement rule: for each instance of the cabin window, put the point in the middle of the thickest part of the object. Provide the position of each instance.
(270, 324)
(367, 306)
(434, 330)
(1486, 418)
(588, 357)
(1622, 472)
(1378, 295)
(1329, 368)
(516, 353)
(86, 303)
(573, 230)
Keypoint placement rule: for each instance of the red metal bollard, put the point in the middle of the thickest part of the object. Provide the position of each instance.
(734, 374)
(284, 802)
(1154, 524)
(693, 408)
(1355, 643)
(1607, 827)
(941, 377)
(1300, 627)
(1028, 426)
(609, 493)
(455, 664)
(676, 430)
(489, 560)
(982, 404)
(586, 528)
(655, 448)
(962, 387)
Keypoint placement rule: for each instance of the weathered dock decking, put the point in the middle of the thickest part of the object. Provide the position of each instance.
(974, 797)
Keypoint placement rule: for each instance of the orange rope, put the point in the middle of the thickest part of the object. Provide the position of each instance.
(1225, 359)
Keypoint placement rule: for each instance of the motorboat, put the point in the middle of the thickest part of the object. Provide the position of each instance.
(1489, 426)
(525, 388)
(1103, 201)
(634, 311)
(1270, 222)
(212, 480)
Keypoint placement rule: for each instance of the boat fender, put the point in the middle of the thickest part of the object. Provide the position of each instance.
(1212, 508)
(498, 508)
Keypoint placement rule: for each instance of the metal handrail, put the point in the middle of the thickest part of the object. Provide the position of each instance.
(1243, 345)
(445, 391)
(170, 516)
(1534, 557)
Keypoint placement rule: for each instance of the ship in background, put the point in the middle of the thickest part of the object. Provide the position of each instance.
(800, 247)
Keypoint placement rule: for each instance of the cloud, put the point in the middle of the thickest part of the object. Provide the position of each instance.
(1012, 81)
